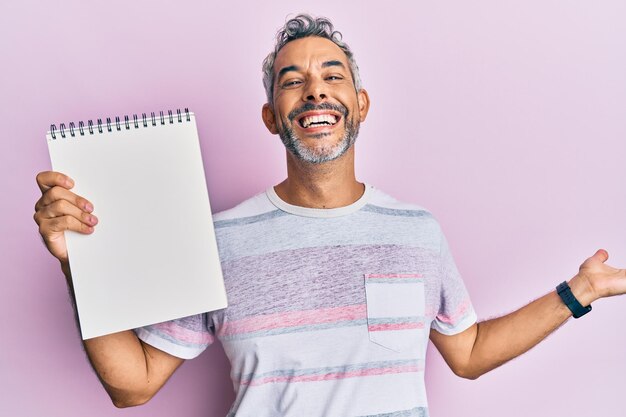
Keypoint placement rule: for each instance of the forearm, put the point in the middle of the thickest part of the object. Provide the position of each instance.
(504, 338)
(489, 344)
(119, 360)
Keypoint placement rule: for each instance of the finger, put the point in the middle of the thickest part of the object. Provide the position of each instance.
(49, 179)
(48, 227)
(601, 255)
(62, 208)
(59, 193)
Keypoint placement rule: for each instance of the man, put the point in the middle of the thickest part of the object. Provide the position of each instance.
(334, 287)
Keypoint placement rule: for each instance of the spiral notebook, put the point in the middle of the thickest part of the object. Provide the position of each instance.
(153, 255)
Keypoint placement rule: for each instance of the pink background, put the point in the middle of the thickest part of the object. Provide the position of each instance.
(506, 119)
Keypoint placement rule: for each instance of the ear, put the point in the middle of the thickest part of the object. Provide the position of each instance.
(269, 118)
(364, 104)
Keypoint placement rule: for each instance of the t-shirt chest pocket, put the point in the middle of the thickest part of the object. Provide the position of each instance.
(395, 310)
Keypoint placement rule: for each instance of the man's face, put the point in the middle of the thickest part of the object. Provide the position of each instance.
(316, 109)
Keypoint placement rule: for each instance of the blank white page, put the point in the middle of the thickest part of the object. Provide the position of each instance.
(153, 255)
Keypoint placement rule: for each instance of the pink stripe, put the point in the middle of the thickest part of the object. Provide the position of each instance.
(182, 334)
(394, 326)
(335, 375)
(294, 318)
(393, 276)
(458, 313)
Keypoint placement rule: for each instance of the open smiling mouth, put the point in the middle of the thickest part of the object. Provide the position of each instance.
(318, 120)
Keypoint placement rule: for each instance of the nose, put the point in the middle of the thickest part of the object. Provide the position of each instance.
(315, 91)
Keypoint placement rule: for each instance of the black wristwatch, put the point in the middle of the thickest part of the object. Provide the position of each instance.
(565, 292)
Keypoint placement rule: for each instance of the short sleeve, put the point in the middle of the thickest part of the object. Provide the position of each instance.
(456, 312)
(185, 338)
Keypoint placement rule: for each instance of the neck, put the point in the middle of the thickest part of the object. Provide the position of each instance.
(327, 185)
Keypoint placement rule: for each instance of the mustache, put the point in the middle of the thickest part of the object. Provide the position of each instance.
(322, 106)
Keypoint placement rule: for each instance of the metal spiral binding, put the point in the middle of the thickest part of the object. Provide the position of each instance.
(163, 119)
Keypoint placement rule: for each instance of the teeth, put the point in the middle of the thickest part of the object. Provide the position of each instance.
(319, 119)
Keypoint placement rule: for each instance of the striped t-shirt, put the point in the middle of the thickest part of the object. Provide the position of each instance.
(329, 309)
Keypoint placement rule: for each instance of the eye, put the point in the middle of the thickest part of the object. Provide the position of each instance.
(291, 83)
(334, 78)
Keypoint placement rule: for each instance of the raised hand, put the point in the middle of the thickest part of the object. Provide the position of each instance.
(59, 210)
(603, 280)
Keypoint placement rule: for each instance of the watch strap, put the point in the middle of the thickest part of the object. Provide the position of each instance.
(577, 309)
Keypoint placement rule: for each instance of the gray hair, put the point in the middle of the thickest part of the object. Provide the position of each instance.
(302, 26)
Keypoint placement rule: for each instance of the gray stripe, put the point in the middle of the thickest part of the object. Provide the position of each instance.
(394, 320)
(321, 326)
(413, 412)
(289, 232)
(396, 212)
(330, 369)
(249, 220)
(294, 329)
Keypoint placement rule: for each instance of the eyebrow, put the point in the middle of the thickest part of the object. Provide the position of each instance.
(289, 68)
(333, 63)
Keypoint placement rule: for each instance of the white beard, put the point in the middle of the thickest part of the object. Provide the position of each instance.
(319, 154)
